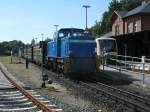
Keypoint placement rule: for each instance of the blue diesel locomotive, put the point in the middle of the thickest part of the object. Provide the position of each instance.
(72, 51)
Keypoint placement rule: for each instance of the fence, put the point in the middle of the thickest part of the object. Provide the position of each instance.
(128, 64)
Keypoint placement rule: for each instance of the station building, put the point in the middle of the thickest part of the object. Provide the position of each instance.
(132, 30)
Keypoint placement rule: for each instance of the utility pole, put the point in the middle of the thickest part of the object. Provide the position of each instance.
(56, 27)
(86, 7)
(42, 35)
(35, 41)
(43, 83)
(125, 50)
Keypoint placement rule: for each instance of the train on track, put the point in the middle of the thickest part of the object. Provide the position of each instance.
(72, 51)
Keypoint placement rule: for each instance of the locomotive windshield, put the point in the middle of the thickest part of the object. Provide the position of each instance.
(108, 45)
(70, 32)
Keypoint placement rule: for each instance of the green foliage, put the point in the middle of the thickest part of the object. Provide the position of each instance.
(130, 4)
(11, 45)
(96, 29)
(104, 25)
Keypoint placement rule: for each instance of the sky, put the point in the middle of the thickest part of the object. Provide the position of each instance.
(27, 19)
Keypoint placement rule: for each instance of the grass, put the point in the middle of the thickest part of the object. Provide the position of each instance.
(5, 59)
(19, 70)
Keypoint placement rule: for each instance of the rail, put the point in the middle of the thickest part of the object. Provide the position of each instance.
(129, 99)
(43, 107)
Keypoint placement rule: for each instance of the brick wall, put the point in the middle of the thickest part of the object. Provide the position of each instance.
(130, 24)
(135, 23)
(146, 22)
(117, 22)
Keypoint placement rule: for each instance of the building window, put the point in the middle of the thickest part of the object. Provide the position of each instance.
(130, 27)
(135, 27)
(117, 30)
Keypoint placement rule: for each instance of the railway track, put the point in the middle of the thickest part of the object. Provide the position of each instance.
(15, 98)
(131, 100)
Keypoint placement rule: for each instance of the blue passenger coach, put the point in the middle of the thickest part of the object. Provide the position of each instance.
(72, 51)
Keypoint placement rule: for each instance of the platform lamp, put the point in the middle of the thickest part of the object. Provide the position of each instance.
(86, 7)
(42, 35)
(43, 78)
(56, 26)
(125, 53)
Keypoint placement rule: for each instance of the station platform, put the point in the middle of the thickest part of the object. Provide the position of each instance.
(132, 77)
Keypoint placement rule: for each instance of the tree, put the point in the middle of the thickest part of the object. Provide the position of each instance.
(104, 25)
(11, 46)
(32, 42)
(130, 4)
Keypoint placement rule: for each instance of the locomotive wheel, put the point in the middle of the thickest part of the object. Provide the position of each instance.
(59, 68)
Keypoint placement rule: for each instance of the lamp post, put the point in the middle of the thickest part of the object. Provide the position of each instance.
(11, 53)
(86, 7)
(43, 83)
(56, 27)
(35, 40)
(125, 50)
(44, 76)
(42, 35)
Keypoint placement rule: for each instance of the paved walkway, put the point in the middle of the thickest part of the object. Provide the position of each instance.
(134, 77)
